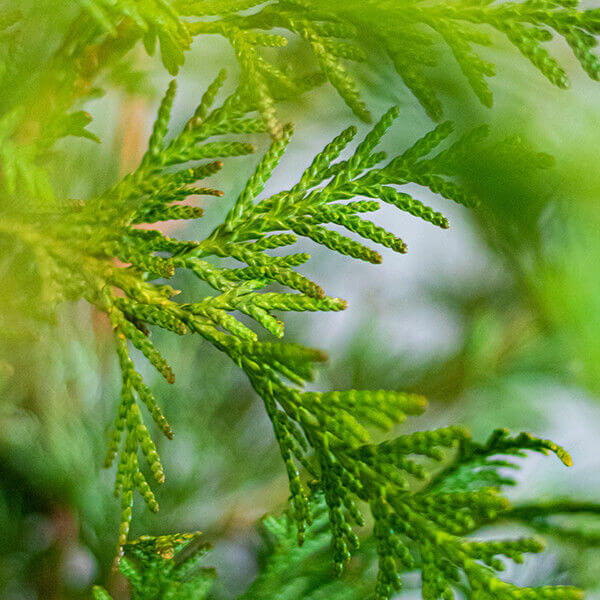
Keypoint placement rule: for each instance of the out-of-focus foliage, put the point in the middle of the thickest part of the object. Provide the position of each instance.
(408, 33)
(551, 248)
(57, 250)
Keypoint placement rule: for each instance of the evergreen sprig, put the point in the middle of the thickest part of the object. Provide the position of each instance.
(427, 491)
(427, 529)
(152, 20)
(337, 34)
(288, 570)
(324, 432)
(248, 231)
(431, 539)
(167, 566)
(356, 31)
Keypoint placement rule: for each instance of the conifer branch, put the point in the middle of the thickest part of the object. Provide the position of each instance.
(288, 570)
(324, 433)
(336, 36)
(426, 491)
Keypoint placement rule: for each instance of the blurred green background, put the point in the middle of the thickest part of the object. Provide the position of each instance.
(496, 320)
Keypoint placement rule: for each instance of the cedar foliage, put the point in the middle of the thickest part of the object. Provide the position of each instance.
(425, 492)
(336, 35)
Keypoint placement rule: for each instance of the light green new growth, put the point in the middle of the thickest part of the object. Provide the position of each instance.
(251, 228)
(323, 432)
(414, 36)
(426, 492)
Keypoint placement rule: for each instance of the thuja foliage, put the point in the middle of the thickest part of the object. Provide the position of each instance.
(462, 497)
(423, 493)
(165, 567)
(323, 432)
(413, 36)
(174, 564)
